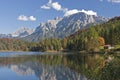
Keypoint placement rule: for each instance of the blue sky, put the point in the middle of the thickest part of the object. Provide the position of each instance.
(29, 13)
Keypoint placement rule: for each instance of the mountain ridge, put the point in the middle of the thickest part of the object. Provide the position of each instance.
(19, 33)
(62, 27)
(56, 28)
(22, 32)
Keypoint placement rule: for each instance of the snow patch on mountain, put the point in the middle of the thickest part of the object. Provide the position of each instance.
(22, 32)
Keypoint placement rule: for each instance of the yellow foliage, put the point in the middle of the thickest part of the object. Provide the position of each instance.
(102, 41)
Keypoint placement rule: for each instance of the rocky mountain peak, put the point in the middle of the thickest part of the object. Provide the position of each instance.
(22, 32)
(62, 27)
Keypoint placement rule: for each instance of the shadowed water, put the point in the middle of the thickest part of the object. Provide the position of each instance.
(58, 66)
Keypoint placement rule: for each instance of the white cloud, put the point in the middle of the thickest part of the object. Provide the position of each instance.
(25, 18)
(114, 1)
(89, 12)
(54, 5)
(74, 11)
(32, 18)
(45, 7)
(70, 12)
(58, 7)
(64, 9)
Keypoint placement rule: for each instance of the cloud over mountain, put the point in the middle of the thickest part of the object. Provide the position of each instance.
(74, 11)
(66, 11)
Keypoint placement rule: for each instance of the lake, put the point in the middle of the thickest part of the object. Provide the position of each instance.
(58, 66)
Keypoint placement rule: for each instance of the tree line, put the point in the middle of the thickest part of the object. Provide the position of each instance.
(86, 39)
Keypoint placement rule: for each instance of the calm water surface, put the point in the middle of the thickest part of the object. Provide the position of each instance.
(58, 66)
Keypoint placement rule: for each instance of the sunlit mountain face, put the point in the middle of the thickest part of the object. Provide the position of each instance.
(62, 27)
(57, 28)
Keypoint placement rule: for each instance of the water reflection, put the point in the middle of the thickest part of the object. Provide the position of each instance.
(60, 67)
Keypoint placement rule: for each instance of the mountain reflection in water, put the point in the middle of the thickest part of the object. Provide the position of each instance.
(59, 67)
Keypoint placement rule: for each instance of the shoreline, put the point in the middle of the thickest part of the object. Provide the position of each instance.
(82, 52)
